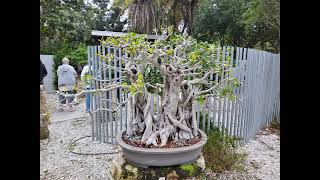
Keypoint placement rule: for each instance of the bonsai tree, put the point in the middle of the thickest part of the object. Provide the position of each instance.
(181, 71)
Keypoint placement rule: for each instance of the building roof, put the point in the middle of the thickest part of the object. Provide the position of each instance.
(118, 34)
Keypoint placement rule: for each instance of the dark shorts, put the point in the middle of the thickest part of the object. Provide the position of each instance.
(62, 98)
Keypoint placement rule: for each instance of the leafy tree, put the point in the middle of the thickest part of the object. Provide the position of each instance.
(246, 23)
(184, 66)
(71, 21)
(63, 21)
(107, 19)
(262, 24)
(220, 20)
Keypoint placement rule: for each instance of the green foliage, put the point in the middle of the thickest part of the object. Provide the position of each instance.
(138, 86)
(220, 153)
(63, 22)
(124, 84)
(227, 89)
(86, 80)
(152, 76)
(275, 124)
(245, 23)
(200, 99)
(72, 22)
(190, 168)
(262, 24)
(219, 20)
(194, 52)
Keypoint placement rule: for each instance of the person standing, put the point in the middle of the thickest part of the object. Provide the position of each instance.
(43, 72)
(86, 82)
(66, 82)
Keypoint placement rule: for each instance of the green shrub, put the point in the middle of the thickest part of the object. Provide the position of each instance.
(220, 152)
(275, 126)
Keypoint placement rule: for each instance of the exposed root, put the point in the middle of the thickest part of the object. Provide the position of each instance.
(177, 123)
(165, 133)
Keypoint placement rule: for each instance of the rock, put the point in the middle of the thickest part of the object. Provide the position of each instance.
(116, 166)
(173, 176)
(133, 171)
(129, 167)
(201, 162)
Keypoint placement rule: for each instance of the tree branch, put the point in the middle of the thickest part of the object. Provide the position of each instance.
(154, 60)
(195, 81)
(212, 88)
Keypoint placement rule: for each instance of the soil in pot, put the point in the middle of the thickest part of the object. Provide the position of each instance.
(136, 141)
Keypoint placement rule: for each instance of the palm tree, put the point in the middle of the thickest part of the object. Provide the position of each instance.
(146, 15)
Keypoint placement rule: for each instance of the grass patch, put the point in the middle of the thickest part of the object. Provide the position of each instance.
(220, 153)
(275, 124)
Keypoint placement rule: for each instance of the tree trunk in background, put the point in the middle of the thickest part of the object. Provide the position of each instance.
(191, 7)
(44, 117)
(144, 16)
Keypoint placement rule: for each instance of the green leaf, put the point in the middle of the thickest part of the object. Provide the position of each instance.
(170, 52)
(237, 82)
(148, 69)
(124, 84)
(189, 168)
(224, 91)
(132, 89)
(150, 50)
(193, 56)
(232, 97)
(140, 77)
(200, 100)
(132, 34)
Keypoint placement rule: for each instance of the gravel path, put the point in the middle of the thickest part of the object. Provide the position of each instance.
(57, 162)
(263, 160)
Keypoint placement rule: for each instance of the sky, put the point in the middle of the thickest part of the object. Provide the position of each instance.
(91, 2)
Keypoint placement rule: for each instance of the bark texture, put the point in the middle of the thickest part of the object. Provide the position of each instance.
(177, 116)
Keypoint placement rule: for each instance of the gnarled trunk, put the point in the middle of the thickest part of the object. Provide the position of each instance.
(176, 118)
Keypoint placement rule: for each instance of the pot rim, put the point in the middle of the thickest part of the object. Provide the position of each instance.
(174, 150)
